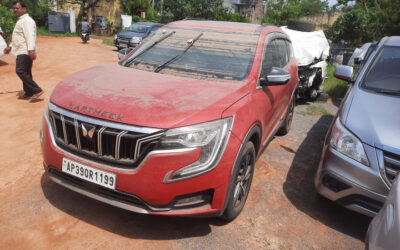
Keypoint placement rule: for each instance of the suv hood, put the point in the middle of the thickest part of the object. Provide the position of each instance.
(375, 118)
(125, 95)
(129, 34)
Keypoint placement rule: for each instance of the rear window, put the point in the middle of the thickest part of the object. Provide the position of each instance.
(216, 54)
(384, 74)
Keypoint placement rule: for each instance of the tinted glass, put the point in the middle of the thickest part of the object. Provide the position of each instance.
(138, 28)
(276, 55)
(384, 74)
(217, 54)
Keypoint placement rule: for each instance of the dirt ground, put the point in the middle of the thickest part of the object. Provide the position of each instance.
(282, 211)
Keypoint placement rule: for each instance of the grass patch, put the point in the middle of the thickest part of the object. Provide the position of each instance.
(44, 32)
(314, 111)
(334, 87)
(109, 42)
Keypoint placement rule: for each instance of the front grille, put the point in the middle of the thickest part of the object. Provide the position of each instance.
(392, 165)
(117, 147)
(123, 40)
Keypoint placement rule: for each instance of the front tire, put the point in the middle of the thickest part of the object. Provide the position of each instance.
(242, 177)
(287, 123)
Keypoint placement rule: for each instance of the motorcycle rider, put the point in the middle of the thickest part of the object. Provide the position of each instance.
(85, 28)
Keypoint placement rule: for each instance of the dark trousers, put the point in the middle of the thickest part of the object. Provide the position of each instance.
(24, 71)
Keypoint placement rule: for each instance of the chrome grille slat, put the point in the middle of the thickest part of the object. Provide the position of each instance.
(120, 145)
(99, 141)
(64, 129)
(78, 140)
(392, 161)
(391, 165)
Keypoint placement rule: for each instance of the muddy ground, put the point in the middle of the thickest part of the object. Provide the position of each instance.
(282, 212)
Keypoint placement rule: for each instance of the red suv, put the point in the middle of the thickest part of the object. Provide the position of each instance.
(176, 127)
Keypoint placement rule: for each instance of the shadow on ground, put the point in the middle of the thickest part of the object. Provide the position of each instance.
(3, 63)
(299, 187)
(122, 222)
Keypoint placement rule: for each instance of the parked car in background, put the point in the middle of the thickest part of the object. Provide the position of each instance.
(3, 43)
(311, 50)
(360, 57)
(134, 34)
(361, 154)
(384, 230)
(176, 127)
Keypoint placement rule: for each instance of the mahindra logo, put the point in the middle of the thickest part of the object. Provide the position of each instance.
(88, 130)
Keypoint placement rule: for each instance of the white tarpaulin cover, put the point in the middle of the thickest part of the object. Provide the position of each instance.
(126, 21)
(308, 45)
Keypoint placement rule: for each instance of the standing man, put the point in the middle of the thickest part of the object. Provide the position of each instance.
(23, 46)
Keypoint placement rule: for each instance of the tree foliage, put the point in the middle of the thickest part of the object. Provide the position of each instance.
(280, 11)
(7, 21)
(134, 7)
(206, 9)
(366, 20)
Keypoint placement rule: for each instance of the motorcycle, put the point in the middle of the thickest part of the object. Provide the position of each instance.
(85, 36)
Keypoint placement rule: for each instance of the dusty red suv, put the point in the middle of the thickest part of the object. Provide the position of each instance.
(176, 127)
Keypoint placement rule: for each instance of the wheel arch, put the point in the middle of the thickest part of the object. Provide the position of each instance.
(253, 135)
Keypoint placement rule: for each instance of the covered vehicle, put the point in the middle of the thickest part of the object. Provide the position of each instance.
(176, 127)
(311, 50)
(134, 34)
(361, 153)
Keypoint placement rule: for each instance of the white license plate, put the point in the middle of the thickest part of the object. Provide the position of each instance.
(90, 174)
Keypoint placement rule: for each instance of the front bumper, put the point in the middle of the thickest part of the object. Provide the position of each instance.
(355, 186)
(124, 44)
(142, 189)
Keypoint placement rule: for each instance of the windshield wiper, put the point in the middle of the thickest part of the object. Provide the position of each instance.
(191, 42)
(128, 62)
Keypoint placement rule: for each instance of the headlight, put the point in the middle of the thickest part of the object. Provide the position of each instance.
(346, 143)
(211, 137)
(136, 39)
(115, 37)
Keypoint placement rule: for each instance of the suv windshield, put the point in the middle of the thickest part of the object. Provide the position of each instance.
(384, 75)
(215, 54)
(138, 28)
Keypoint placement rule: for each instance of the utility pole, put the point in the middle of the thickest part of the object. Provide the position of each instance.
(153, 4)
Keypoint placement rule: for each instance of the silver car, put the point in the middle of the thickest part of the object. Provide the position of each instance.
(361, 153)
(384, 230)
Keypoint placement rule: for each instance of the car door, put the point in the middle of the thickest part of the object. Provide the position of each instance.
(272, 101)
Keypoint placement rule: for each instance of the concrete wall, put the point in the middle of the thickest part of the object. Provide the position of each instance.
(323, 21)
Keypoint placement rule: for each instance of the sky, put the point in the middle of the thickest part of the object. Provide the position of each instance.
(332, 2)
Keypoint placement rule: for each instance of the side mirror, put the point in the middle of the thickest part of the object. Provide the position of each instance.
(357, 60)
(123, 52)
(344, 73)
(277, 76)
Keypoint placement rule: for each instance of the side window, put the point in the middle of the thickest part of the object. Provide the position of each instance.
(270, 57)
(276, 54)
(289, 50)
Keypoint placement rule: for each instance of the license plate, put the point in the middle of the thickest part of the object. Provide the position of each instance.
(90, 174)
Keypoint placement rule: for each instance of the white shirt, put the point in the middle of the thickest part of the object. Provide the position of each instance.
(24, 36)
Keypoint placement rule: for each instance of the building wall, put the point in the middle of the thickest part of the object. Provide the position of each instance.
(112, 10)
(323, 21)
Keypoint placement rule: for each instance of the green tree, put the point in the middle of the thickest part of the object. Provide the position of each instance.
(134, 7)
(7, 21)
(205, 9)
(366, 20)
(280, 11)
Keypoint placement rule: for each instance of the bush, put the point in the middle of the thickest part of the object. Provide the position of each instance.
(7, 21)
